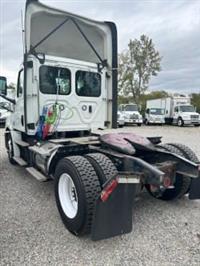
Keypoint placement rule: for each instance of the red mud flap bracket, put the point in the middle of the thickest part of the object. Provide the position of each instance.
(113, 212)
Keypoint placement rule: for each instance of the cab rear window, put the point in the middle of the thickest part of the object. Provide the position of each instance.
(55, 80)
(88, 84)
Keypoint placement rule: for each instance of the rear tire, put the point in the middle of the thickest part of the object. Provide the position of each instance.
(187, 152)
(139, 125)
(181, 185)
(9, 147)
(103, 166)
(76, 190)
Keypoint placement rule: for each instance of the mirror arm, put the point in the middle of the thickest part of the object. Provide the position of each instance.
(8, 99)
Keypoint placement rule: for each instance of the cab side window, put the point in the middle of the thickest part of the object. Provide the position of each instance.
(176, 109)
(120, 108)
(20, 83)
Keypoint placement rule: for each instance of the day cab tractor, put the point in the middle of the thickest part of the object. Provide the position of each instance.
(60, 127)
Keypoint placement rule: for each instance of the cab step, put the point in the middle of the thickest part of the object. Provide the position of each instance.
(20, 161)
(35, 173)
(22, 143)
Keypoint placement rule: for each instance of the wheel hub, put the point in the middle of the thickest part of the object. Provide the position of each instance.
(68, 195)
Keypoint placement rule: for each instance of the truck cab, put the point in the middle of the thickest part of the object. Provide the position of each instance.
(68, 77)
(130, 114)
(155, 116)
(186, 115)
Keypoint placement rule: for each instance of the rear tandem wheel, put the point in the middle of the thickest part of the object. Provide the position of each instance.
(103, 166)
(76, 190)
(182, 183)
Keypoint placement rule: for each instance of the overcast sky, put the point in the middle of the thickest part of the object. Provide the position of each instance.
(174, 27)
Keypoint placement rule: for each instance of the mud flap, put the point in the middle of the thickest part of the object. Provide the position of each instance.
(114, 216)
(194, 192)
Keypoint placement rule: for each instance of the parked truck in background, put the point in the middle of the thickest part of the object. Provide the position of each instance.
(178, 110)
(5, 106)
(129, 114)
(154, 115)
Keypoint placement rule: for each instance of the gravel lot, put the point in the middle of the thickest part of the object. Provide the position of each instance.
(31, 231)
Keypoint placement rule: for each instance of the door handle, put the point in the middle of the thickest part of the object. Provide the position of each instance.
(90, 109)
(22, 120)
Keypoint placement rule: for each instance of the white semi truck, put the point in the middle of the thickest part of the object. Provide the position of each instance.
(129, 114)
(66, 92)
(177, 110)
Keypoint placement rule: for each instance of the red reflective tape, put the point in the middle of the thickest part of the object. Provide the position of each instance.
(107, 191)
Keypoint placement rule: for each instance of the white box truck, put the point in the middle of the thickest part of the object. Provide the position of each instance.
(177, 110)
(154, 114)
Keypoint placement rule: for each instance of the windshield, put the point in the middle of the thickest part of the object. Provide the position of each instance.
(131, 108)
(2, 85)
(157, 111)
(187, 108)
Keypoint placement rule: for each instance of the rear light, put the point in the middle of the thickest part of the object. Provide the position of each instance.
(107, 191)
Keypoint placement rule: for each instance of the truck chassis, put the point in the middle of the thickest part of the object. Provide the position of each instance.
(97, 177)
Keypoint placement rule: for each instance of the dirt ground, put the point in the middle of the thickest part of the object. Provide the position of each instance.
(31, 231)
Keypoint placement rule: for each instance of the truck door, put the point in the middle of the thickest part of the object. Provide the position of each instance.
(176, 114)
(18, 116)
(91, 96)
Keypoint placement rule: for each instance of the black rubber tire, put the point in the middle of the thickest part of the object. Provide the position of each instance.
(182, 183)
(187, 152)
(197, 125)
(181, 122)
(87, 187)
(139, 125)
(103, 166)
(9, 148)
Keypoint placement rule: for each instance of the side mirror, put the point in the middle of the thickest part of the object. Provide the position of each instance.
(3, 86)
